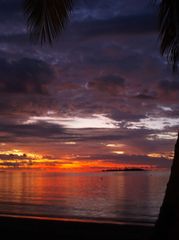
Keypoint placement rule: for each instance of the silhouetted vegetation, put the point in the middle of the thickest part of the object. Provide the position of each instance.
(124, 169)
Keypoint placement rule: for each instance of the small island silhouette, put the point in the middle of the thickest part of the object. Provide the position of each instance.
(123, 169)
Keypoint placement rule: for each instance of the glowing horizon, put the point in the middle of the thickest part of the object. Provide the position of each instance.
(16, 158)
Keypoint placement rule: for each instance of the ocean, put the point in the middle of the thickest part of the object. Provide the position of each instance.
(133, 197)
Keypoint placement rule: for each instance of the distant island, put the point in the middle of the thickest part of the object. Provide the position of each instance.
(123, 169)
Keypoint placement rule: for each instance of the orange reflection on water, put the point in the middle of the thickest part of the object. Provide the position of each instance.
(83, 195)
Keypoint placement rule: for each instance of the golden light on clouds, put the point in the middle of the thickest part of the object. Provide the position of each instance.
(119, 152)
(70, 143)
(12, 152)
(167, 155)
(70, 157)
(17, 158)
(154, 155)
(114, 145)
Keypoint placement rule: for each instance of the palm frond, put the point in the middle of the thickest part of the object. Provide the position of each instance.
(169, 30)
(46, 18)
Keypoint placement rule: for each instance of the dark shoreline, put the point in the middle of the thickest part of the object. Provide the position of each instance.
(66, 229)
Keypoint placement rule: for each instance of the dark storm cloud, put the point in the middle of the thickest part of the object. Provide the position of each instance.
(14, 38)
(132, 136)
(140, 24)
(39, 130)
(169, 85)
(25, 76)
(126, 116)
(110, 84)
(146, 95)
(11, 9)
(88, 24)
(50, 131)
(17, 107)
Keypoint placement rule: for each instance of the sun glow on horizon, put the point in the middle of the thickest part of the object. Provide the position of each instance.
(18, 159)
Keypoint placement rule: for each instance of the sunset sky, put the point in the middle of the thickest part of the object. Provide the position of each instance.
(101, 96)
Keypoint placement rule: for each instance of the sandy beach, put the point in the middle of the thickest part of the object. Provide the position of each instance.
(66, 229)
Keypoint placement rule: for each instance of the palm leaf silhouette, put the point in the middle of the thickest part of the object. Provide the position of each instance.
(46, 18)
(169, 30)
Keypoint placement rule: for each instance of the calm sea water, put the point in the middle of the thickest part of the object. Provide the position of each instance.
(117, 196)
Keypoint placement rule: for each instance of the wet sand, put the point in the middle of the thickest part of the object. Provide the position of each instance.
(66, 229)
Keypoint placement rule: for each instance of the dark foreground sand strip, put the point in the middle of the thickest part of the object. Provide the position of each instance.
(44, 228)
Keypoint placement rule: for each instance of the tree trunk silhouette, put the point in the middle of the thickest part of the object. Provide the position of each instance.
(167, 225)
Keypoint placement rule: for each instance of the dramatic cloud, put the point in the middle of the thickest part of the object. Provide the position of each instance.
(139, 24)
(101, 94)
(26, 76)
(109, 84)
(169, 85)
